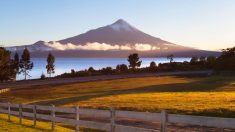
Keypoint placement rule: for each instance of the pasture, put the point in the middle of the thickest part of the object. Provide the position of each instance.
(209, 96)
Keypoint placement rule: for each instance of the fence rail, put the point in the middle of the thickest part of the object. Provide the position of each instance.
(51, 113)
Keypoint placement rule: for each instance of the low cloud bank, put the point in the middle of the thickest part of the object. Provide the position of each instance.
(101, 46)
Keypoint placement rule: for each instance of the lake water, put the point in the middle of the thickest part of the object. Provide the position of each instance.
(63, 65)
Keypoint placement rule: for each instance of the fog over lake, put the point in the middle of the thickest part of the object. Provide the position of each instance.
(63, 65)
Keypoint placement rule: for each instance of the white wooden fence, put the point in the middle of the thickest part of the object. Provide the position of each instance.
(49, 113)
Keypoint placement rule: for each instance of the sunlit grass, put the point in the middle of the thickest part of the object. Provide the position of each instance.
(201, 103)
(27, 126)
(213, 95)
(39, 93)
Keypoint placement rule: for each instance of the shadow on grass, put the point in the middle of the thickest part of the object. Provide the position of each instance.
(199, 85)
(208, 112)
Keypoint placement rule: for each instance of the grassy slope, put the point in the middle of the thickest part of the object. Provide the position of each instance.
(205, 96)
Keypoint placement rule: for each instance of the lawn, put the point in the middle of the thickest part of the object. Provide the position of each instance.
(214, 95)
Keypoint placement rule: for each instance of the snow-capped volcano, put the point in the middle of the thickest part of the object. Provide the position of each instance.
(121, 25)
(120, 33)
(120, 37)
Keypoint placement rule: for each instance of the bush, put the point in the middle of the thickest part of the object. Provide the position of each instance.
(91, 69)
(122, 68)
(107, 70)
(153, 67)
(43, 77)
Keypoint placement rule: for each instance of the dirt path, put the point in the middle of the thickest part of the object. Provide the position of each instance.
(57, 81)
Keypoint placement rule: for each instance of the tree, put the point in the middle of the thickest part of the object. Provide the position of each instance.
(50, 64)
(171, 58)
(43, 77)
(194, 60)
(73, 71)
(107, 70)
(122, 68)
(210, 61)
(202, 61)
(7, 69)
(16, 62)
(134, 61)
(202, 58)
(91, 69)
(25, 64)
(226, 62)
(118, 68)
(153, 66)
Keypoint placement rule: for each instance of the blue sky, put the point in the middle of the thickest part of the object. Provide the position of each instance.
(204, 24)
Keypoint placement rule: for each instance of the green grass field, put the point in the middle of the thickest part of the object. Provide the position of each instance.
(210, 96)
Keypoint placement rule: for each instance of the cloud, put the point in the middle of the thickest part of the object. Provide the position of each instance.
(101, 46)
(143, 47)
(155, 48)
(125, 47)
(88, 46)
(98, 46)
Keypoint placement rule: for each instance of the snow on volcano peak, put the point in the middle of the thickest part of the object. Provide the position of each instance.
(121, 25)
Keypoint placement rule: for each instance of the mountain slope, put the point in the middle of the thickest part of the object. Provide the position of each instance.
(38, 46)
(119, 38)
(119, 32)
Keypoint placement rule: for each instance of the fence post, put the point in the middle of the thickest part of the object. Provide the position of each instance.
(9, 111)
(52, 117)
(34, 115)
(77, 118)
(163, 121)
(20, 113)
(112, 120)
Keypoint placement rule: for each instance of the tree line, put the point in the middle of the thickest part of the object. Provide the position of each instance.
(222, 64)
(10, 67)
(196, 63)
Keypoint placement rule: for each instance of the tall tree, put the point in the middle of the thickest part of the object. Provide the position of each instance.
(171, 58)
(16, 62)
(25, 64)
(7, 71)
(50, 64)
(134, 61)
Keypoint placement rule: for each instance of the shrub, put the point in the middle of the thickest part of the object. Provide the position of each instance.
(91, 69)
(107, 70)
(122, 68)
(153, 67)
(43, 77)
